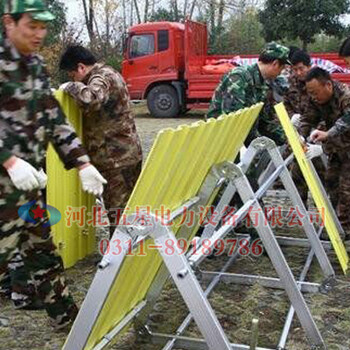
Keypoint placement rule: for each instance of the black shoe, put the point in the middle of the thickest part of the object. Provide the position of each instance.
(32, 305)
(347, 238)
(5, 293)
(64, 323)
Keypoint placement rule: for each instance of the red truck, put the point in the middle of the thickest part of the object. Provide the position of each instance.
(167, 64)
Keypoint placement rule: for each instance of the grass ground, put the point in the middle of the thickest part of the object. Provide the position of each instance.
(235, 305)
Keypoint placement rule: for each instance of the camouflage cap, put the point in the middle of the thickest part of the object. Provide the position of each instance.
(277, 51)
(36, 8)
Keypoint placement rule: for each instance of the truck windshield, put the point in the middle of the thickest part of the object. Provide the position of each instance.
(141, 45)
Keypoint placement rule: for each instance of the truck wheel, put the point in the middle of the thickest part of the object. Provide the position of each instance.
(162, 102)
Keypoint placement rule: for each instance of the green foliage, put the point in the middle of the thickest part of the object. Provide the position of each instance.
(325, 43)
(245, 33)
(163, 14)
(115, 62)
(58, 24)
(303, 19)
(242, 35)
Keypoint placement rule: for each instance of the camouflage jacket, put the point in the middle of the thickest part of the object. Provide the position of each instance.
(30, 116)
(109, 128)
(296, 99)
(241, 87)
(335, 115)
(268, 123)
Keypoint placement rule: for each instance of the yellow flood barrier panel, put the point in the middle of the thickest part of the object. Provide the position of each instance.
(73, 240)
(175, 169)
(312, 183)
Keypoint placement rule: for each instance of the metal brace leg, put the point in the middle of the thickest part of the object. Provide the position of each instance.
(269, 145)
(229, 192)
(290, 315)
(188, 286)
(276, 256)
(210, 185)
(213, 282)
(221, 232)
(96, 296)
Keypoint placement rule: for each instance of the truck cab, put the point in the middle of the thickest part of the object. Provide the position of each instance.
(153, 65)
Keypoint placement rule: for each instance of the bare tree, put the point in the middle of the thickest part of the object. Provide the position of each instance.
(137, 12)
(192, 9)
(212, 9)
(89, 18)
(131, 12)
(124, 15)
(221, 14)
(145, 16)
(185, 8)
(175, 7)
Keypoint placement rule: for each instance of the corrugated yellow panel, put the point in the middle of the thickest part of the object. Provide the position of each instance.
(320, 202)
(64, 191)
(175, 169)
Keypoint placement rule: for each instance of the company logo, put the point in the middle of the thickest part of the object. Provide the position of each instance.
(32, 212)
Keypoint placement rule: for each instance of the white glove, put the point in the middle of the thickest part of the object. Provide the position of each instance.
(313, 151)
(24, 176)
(91, 180)
(296, 120)
(64, 86)
(42, 178)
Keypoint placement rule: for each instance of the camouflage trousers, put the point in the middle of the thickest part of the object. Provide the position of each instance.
(338, 187)
(121, 182)
(29, 263)
(299, 180)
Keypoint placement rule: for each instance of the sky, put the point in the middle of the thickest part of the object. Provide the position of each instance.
(75, 9)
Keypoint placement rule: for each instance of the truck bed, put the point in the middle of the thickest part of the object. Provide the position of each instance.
(206, 76)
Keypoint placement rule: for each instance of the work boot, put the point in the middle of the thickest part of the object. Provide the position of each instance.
(5, 287)
(64, 322)
(324, 236)
(32, 305)
(5, 292)
(346, 237)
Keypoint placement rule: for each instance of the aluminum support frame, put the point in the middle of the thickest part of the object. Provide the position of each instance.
(213, 182)
(193, 343)
(97, 294)
(276, 256)
(258, 145)
(191, 291)
(264, 143)
(184, 277)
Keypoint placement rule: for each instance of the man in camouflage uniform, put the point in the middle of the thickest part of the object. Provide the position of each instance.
(268, 124)
(109, 128)
(245, 86)
(30, 117)
(330, 103)
(296, 101)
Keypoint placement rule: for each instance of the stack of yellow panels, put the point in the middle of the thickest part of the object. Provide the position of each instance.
(74, 241)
